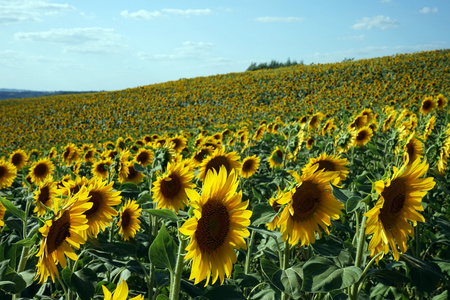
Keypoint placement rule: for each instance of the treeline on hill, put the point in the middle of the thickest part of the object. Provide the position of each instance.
(19, 94)
(273, 65)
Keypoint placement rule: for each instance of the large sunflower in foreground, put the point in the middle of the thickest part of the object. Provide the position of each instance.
(218, 227)
(102, 198)
(250, 166)
(129, 220)
(169, 190)
(44, 197)
(121, 292)
(41, 170)
(19, 159)
(61, 235)
(399, 201)
(310, 207)
(218, 159)
(8, 173)
(329, 163)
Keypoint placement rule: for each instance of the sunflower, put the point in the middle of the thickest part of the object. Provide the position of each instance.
(169, 190)
(121, 292)
(428, 105)
(179, 141)
(89, 156)
(71, 153)
(413, 149)
(310, 205)
(217, 159)
(144, 157)
(102, 196)
(200, 155)
(309, 142)
(2, 213)
(132, 176)
(8, 173)
(41, 170)
(314, 122)
(441, 101)
(250, 166)
(389, 120)
(52, 153)
(71, 187)
(100, 169)
(61, 232)
(124, 169)
(218, 227)
(362, 136)
(429, 127)
(129, 220)
(329, 163)
(44, 197)
(19, 159)
(276, 157)
(399, 201)
(259, 132)
(276, 207)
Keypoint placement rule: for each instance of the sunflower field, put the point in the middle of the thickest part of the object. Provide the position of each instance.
(326, 181)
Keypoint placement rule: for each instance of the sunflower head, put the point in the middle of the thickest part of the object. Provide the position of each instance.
(218, 159)
(129, 220)
(428, 105)
(144, 157)
(328, 163)
(8, 173)
(19, 159)
(441, 101)
(413, 149)
(44, 197)
(218, 227)
(250, 166)
(276, 157)
(100, 169)
(41, 170)
(132, 176)
(362, 136)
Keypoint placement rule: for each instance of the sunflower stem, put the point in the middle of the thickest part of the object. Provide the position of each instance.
(285, 296)
(249, 253)
(175, 285)
(66, 295)
(359, 255)
(417, 238)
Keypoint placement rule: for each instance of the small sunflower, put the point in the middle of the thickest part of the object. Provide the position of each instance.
(276, 157)
(71, 153)
(413, 149)
(441, 101)
(132, 176)
(428, 105)
(89, 156)
(169, 190)
(8, 173)
(102, 196)
(329, 163)
(19, 159)
(309, 142)
(276, 207)
(144, 157)
(429, 127)
(399, 201)
(61, 235)
(259, 132)
(250, 166)
(310, 207)
(219, 158)
(362, 136)
(41, 170)
(179, 141)
(100, 169)
(200, 155)
(218, 227)
(121, 292)
(44, 197)
(129, 220)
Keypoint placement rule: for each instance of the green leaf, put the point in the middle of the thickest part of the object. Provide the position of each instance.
(266, 294)
(272, 271)
(164, 213)
(162, 297)
(338, 194)
(326, 246)
(323, 275)
(13, 209)
(139, 168)
(225, 292)
(3, 267)
(19, 283)
(292, 282)
(162, 252)
(146, 198)
(425, 281)
(441, 296)
(28, 242)
(262, 214)
(274, 234)
(6, 284)
(352, 203)
(81, 282)
(391, 275)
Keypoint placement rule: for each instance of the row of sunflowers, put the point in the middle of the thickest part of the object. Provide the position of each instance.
(351, 203)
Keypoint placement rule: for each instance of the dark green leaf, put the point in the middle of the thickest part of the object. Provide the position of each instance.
(266, 294)
(262, 214)
(352, 203)
(28, 242)
(425, 281)
(421, 264)
(7, 284)
(274, 234)
(146, 198)
(391, 275)
(164, 213)
(272, 272)
(190, 289)
(19, 283)
(323, 275)
(225, 292)
(139, 168)
(292, 283)
(339, 194)
(3, 267)
(162, 297)
(162, 252)
(13, 209)
(328, 247)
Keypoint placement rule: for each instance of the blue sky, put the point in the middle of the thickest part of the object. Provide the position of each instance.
(112, 45)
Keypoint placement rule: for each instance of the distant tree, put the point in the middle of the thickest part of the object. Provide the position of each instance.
(273, 65)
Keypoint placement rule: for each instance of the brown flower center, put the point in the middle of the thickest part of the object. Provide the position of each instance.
(305, 201)
(248, 165)
(41, 170)
(2, 171)
(213, 226)
(44, 195)
(143, 158)
(126, 219)
(325, 165)
(97, 200)
(362, 135)
(394, 198)
(171, 188)
(426, 105)
(17, 159)
(58, 232)
(217, 162)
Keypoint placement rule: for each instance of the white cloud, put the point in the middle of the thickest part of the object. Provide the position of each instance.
(149, 15)
(84, 40)
(378, 22)
(189, 50)
(279, 19)
(427, 10)
(15, 11)
(360, 37)
(11, 58)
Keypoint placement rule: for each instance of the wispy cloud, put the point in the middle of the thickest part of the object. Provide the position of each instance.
(360, 37)
(428, 10)
(377, 22)
(15, 11)
(189, 50)
(149, 15)
(84, 40)
(279, 19)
